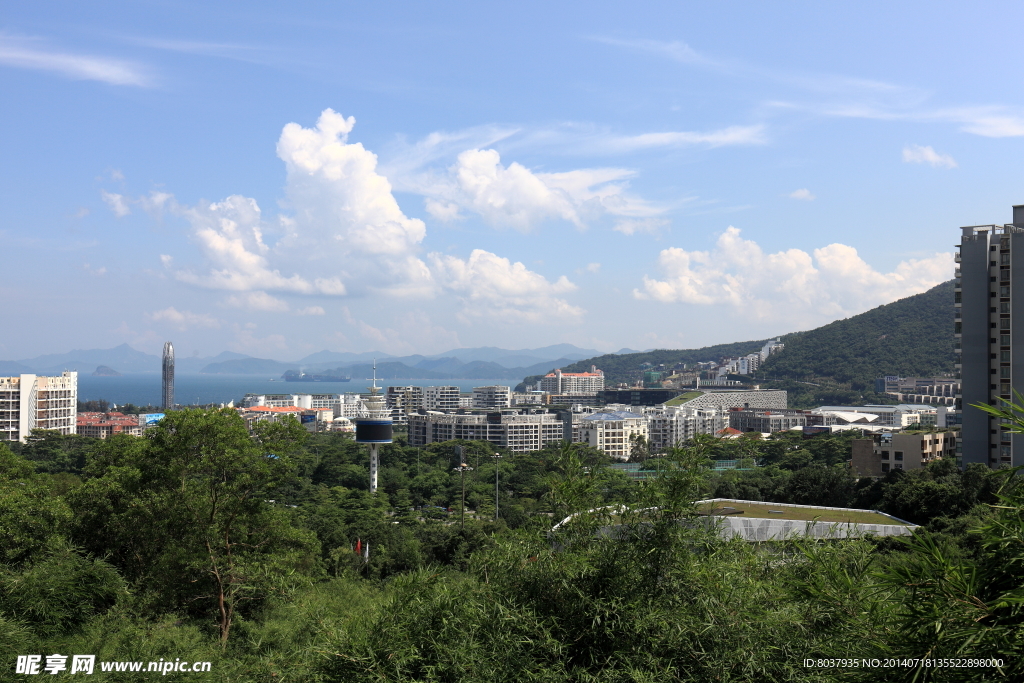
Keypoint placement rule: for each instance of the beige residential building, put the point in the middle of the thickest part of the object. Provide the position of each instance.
(30, 402)
(887, 451)
(582, 383)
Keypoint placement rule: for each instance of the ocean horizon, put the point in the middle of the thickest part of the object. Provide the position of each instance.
(191, 389)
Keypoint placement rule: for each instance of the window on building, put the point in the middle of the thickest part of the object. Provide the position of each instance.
(1004, 340)
(1004, 356)
(885, 455)
(1004, 291)
(898, 455)
(899, 466)
(885, 467)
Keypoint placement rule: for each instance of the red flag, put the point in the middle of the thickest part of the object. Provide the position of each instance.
(359, 547)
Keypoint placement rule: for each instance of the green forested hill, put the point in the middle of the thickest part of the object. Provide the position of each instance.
(910, 337)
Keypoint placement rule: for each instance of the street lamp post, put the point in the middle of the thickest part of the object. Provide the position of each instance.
(462, 468)
(496, 457)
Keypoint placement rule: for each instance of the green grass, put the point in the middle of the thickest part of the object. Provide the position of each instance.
(683, 398)
(761, 511)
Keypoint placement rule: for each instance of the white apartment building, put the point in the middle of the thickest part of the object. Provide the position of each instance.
(581, 383)
(407, 399)
(307, 401)
(492, 398)
(671, 426)
(613, 433)
(531, 398)
(441, 398)
(343, 405)
(30, 402)
(517, 433)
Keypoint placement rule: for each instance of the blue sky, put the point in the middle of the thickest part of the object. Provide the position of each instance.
(411, 177)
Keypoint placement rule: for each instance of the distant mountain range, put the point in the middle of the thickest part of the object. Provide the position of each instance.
(486, 362)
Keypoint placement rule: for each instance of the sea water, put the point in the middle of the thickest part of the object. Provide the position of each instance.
(143, 388)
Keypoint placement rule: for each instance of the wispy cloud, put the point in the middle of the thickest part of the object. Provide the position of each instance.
(990, 121)
(183, 320)
(116, 202)
(732, 135)
(803, 193)
(651, 226)
(916, 154)
(250, 54)
(675, 50)
(25, 53)
(844, 96)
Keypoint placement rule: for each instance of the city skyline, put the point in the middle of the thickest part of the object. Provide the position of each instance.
(280, 182)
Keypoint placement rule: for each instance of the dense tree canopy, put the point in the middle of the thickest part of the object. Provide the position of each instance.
(201, 541)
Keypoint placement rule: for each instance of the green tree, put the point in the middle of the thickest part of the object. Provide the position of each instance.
(184, 512)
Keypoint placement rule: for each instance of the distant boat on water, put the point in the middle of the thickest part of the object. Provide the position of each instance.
(296, 376)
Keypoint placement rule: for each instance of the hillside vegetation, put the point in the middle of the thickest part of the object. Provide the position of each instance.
(912, 337)
(833, 364)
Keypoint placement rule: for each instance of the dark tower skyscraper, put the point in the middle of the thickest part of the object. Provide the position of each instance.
(168, 388)
(989, 338)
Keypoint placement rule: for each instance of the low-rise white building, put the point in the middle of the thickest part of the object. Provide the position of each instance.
(518, 433)
(892, 417)
(30, 402)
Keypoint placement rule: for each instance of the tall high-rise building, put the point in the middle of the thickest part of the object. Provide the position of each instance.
(989, 337)
(168, 385)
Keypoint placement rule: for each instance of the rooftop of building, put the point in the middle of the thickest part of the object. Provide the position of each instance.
(801, 513)
(902, 408)
(684, 397)
(613, 415)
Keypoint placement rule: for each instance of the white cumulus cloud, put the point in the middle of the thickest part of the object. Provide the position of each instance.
(230, 234)
(345, 234)
(916, 154)
(803, 193)
(792, 285)
(514, 196)
(494, 287)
